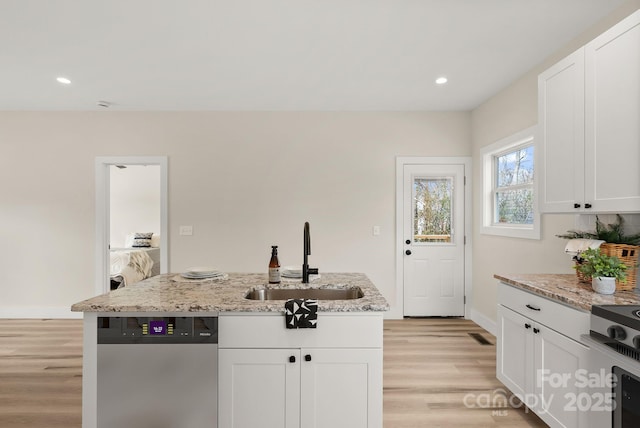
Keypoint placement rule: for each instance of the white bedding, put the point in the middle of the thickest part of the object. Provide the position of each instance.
(131, 265)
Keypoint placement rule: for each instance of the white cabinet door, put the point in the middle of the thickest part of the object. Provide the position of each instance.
(259, 388)
(514, 354)
(612, 112)
(560, 147)
(542, 367)
(558, 363)
(589, 139)
(341, 388)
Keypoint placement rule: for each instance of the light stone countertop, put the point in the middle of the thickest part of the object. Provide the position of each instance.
(171, 293)
(567, 289)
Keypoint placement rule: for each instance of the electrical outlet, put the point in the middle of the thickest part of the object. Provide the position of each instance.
(376, 230)
(186, 230)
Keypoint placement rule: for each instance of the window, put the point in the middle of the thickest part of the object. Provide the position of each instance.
(509, 207)
(432, 209)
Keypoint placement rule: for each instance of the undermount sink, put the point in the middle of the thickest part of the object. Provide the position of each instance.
(305, 293)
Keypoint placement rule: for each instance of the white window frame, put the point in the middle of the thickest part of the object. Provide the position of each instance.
(489, 226)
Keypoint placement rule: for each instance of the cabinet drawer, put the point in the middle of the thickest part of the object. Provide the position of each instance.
(335, 330)
(568, 321)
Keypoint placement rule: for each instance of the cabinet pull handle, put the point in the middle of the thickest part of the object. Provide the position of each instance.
(533, 308)
(587, 205)
(307, 357)
(292, 359)
(527, 325)
(536, 330)
(576, 205)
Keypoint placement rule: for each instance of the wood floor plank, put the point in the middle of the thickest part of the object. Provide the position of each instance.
(40, 373)
(435, 375)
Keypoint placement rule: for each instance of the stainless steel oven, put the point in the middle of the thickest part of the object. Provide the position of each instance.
(614, 365)
(627, 390)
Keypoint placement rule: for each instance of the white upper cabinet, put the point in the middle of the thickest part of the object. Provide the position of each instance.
(612, 111)
(561, 134)
(589, 135)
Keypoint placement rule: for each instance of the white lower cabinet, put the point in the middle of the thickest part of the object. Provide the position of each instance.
(340, 388)
(258, 388)
(307, 388)
(540, 364)
(293, 381)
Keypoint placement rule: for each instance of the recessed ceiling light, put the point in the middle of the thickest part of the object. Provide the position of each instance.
(441, 80)
(63, 80)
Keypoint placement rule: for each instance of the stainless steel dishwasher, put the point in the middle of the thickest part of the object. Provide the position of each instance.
(157, 372)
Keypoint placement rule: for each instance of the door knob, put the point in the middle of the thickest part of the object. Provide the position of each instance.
(408, 241)
(408, 252)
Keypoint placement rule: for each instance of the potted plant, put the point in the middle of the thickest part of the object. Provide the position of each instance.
(612, 233)
(603, 270)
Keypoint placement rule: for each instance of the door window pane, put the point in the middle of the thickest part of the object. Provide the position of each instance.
(432, 209)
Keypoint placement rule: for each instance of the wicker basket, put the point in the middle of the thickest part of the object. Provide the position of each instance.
(582, 277)
(628, 254)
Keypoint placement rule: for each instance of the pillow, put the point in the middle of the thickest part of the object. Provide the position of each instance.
(128, 240)
(155, 241)
(141, 240)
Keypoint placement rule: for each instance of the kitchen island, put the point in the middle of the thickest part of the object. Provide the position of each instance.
(267, 374)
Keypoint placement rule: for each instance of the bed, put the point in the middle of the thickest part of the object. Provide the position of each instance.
(133, 263)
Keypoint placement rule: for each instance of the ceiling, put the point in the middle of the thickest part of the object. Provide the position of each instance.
(238, 55)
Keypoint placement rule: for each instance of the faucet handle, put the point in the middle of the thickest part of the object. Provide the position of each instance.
(312, 271)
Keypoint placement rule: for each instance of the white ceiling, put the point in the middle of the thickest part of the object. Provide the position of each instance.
(277, 54)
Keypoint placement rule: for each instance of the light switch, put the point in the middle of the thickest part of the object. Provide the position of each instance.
(186, 230)
(376, 230)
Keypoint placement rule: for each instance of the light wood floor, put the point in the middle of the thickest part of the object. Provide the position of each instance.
(432, 367)
(437, 375)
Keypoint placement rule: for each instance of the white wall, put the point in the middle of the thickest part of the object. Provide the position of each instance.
(511, 110)
(244, 181)
(134, 201)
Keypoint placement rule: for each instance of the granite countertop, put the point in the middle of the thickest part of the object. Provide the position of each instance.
(567, 289)
(172, 293)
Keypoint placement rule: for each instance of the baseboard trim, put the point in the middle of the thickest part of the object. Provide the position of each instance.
(393, 314)
(38, 312)
(484, 321)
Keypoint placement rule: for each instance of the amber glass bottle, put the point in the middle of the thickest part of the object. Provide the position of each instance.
(274, 266)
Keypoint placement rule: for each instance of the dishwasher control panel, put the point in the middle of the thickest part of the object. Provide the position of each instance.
(157, 330)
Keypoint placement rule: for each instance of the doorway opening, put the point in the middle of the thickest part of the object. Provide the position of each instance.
(131, 220)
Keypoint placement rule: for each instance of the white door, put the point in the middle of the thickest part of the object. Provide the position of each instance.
(560, 401)
(341, 388)
(259, 388)
(433, 240)
(612, 108)
(561, 155)
(514, 353)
